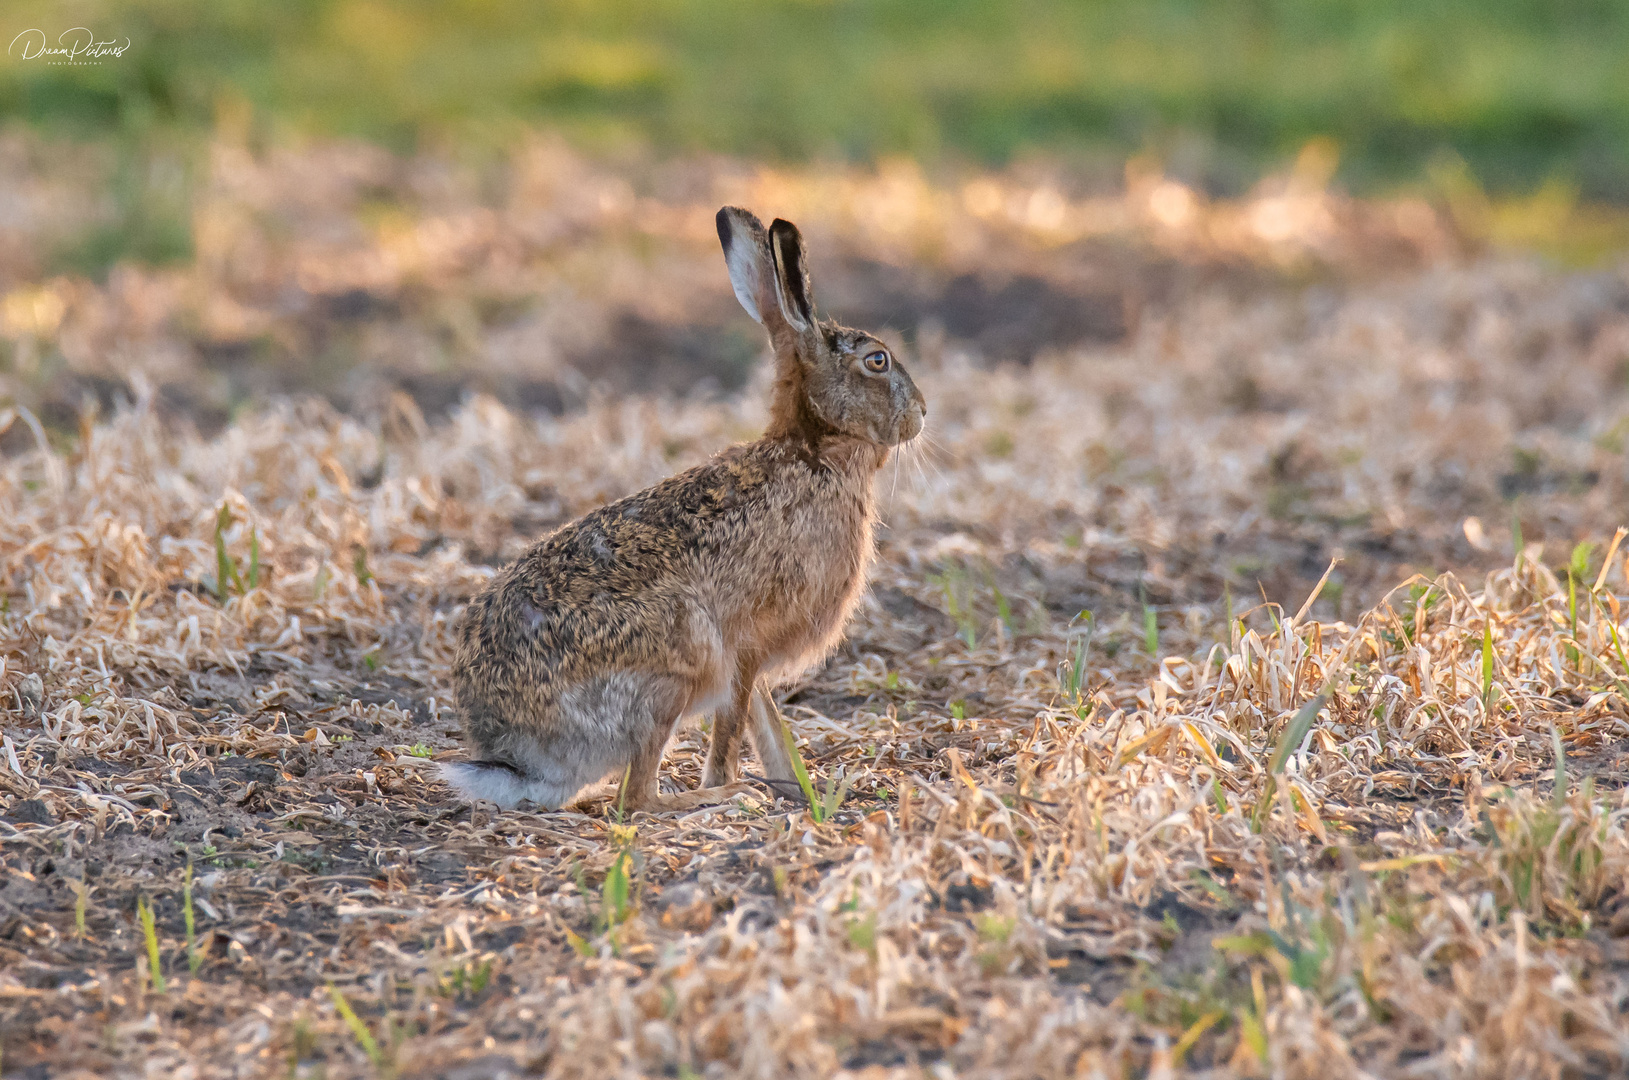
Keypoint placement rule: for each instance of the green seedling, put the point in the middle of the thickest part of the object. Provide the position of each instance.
(1302, 952)
(360, 565)
(302, 1045)
(1192, 1035)
(1487, 664)
(1293, 735)
(144, 913)
(995, 932)
(862, 933)
(1003, 607)
(1421, 599)
(359, 1030)
(1572, 615)
(466, 979)
(957, 585)
(1151, 626)
(616, 895)
(226, 571)
(832, 800)
(1253, 1033)
(617, 903)
(1578, 564)
(1297, 731)
(580, 945)
(995, 929)
(420, 750)
(827, 804)
(1617, 650)
(816, 807)
(195, 959)
(619, 810)
(231, 576)
(1216, 889)
(1549, 858)
(254, 558)
(1072, 672)
(81, 904)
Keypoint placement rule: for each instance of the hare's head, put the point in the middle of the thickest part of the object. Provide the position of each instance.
(829, 378)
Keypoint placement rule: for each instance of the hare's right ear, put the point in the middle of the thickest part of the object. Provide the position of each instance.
(746, 253)
(793, 293)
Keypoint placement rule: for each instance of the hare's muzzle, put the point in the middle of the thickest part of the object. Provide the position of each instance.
(910, 425)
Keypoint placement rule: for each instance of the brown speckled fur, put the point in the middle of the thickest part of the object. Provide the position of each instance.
(694, 595)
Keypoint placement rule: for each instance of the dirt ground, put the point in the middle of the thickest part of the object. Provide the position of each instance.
(1339, 493)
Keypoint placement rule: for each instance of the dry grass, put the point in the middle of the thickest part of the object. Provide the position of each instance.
(1244, 819)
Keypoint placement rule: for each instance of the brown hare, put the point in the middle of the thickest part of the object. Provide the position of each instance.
(580, 658)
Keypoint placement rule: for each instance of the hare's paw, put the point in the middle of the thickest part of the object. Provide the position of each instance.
(692, 800)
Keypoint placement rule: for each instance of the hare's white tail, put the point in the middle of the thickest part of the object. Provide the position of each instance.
(500, 782)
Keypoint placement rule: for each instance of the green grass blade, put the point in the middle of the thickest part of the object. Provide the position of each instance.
(816, 809)
(194, 958)
(1299, 726)
(1572, 613)
(144, 912)
(225, 571)
(836, 792)
(358, 1028)
(81, 905)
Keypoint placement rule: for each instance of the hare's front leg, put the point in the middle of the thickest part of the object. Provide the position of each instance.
(769, 737)
(752, 708)
(724, 750)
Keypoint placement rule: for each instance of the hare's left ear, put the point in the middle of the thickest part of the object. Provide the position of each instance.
(746, 254)
(792, 288)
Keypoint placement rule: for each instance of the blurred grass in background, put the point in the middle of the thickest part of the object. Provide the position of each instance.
(1513, 96)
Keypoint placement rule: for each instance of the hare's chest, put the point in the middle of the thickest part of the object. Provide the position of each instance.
(818, 581)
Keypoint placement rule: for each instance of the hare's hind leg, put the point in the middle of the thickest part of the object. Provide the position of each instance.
(640, 790)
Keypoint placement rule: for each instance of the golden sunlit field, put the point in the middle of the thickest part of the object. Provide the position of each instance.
(1242, 689)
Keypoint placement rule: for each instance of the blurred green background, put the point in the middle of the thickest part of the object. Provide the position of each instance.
(1522, 93)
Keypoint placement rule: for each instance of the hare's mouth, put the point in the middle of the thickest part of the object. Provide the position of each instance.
(910, 426)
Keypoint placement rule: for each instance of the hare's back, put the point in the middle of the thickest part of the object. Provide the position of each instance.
(613, 584)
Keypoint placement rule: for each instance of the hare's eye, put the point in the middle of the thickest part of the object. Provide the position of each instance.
(877, 362)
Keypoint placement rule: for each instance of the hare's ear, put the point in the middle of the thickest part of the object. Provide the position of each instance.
(746, 253)
(792, 288)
